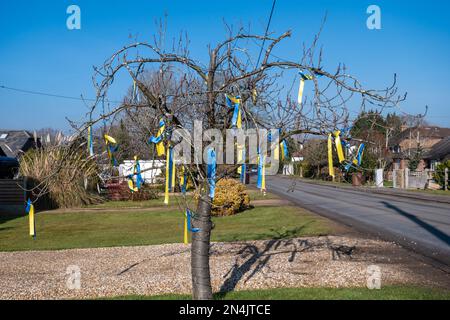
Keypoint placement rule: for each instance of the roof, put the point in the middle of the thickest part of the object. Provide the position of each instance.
(13, 142)
(440, 150)
(424, 131)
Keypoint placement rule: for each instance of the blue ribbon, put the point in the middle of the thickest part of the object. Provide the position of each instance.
(211, 172)
(28, 207)
(243, 167)
(139, 179)
(157, 139)
(189, 223)
(234, 105)
(170, 168)
(359, 155)
(260, 169)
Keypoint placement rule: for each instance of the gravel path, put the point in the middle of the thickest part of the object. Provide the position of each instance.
(332, 261)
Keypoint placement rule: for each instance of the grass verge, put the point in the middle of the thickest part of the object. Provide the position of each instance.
(385, 293)
(127, 228)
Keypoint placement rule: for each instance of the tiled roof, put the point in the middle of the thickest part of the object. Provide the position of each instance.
(424, 132)
(13, 142)
(440, 150)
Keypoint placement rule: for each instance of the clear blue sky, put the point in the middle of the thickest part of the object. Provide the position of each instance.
(38, 53)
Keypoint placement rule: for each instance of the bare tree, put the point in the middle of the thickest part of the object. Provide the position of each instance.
(183, 90)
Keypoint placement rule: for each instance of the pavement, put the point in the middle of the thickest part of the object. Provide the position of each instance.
(418, 223)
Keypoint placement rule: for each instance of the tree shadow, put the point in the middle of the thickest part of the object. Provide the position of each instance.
(428, 227)
(255, 259)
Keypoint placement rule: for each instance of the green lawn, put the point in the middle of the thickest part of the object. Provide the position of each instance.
(127, 228)
(385, 293)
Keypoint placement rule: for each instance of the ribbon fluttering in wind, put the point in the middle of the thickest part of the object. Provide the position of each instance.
(303, 78)
(158, 139)
(235, 102)
(357, 160)
(111, 148)
(211, 172)
(90, 143)
(330, 156)
(281, 148)
(338, 143)
(183, 179)
(170, 174)
(137, 174)
(31, 219)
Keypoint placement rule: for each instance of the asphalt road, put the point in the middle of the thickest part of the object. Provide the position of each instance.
(423, 226)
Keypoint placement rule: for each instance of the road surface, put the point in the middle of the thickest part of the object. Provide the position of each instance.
(423, 226)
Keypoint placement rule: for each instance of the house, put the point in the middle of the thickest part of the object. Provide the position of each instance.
(410, 141)
(440, 152)
(15, 142)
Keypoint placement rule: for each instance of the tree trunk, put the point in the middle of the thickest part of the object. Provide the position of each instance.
(201, 278)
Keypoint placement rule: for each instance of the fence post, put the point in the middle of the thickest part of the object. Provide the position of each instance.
(406, 178)
(446, 179)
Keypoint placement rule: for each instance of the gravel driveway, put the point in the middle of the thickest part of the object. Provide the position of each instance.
(332, 261)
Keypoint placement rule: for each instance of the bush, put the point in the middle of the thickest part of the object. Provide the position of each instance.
(58, 174)
(230, 198)
(439, 174)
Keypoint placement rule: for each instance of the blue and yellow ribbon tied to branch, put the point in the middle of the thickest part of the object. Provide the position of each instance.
(211, 172)
(158, 139)
(137, 174)
(111, 148)
(241, 159)
(31, 219)
(261, 182)
(183, 179)
(358, 159)
(235, 102)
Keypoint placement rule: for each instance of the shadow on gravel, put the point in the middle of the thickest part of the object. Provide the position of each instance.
(434, 231)
(255, 259)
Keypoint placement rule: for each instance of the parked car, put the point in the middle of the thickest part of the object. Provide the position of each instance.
(9, 167)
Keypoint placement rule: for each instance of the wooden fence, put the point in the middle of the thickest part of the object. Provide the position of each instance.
(12, 196)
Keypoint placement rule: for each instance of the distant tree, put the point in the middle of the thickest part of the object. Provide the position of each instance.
(416, 158)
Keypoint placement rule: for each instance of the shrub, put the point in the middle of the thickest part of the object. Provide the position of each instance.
(230, 198)
(439, 174)
(58, 174)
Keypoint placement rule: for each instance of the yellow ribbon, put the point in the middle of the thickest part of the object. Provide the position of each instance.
(263, 183)
(186, 237)
(337, 141)
(300, 91)
(160, 149)
(166, 193)
(330, 156)
(31, 221)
